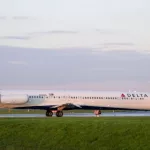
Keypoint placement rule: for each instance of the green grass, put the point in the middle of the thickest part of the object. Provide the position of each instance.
(103, 133)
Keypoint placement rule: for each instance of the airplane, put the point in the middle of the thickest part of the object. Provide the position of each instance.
(57, 100)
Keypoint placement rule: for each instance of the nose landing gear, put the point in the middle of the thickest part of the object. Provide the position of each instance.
(97, 113)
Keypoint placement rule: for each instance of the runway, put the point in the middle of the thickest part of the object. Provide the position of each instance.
(109, 114)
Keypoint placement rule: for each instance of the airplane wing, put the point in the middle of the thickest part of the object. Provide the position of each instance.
(67, 105)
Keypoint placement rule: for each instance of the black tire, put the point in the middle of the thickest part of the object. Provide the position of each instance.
(59, 113)
(49, 113)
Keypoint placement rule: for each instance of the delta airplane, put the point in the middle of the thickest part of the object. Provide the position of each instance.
(58, 101)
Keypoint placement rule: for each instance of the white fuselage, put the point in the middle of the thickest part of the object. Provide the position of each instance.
(108, 99)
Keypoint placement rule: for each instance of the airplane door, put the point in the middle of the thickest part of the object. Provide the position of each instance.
(68, 99)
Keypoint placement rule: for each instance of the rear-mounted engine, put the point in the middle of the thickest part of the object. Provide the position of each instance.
(13, 99)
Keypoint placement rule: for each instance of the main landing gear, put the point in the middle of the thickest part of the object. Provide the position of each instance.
(59, 113)
(97, 113)
(49, 113)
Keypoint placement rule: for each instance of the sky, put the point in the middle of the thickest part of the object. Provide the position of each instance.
(100, 44)
(81, 23)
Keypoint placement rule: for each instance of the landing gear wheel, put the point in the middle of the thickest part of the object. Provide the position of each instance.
(49, 113)
(97, 113)
(59, 113)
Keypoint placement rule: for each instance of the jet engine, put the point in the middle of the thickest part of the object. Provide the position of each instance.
(13, 99)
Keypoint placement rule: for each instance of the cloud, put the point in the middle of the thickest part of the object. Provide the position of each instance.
(17, 62)
(3, 17)
(53, 32)
(118, 44)
(17, 18)
(105, 31)
(16, 37)
(108, 69)
(21, 17)
(113, 32)
(62, 32)
(39, 67)
(35, 34)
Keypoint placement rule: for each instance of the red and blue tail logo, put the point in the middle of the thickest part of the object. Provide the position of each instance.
(122, 95)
